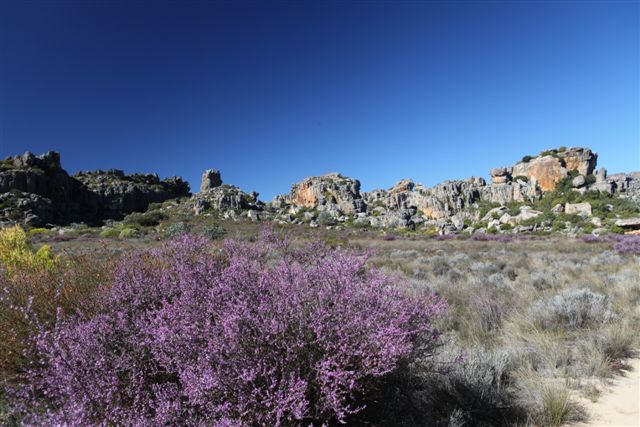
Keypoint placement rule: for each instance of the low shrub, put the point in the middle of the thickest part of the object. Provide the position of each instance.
(558, 407)
(617, 341)
(110, 233)
(32, 300)
(150, 218)
(16, 254)
(178, 229)
(260, 334)
(214, 231)
(325, 218)
(628, 245)
(128, 233)
(573, 308)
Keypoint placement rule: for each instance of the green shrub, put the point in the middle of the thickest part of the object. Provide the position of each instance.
(178, 229)
(526, 159)
(214, 231)
(110, 233)
(128, 233)
(16, 254)
(147, 219)
(325, 218)
(36, 231)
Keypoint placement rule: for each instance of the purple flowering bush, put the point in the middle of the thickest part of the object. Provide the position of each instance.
(263, 333)
(628, 244)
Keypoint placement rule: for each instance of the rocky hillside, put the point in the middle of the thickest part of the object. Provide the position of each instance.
(558, 190)
(36, 191)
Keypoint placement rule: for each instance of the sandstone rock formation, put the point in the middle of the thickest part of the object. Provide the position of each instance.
(113, 193)
(222, 197)
(37, 191)
(210, 179)
(554, 165)
(452, 204)
(331, 192)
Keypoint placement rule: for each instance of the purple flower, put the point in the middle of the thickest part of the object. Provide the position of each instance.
(255, 334)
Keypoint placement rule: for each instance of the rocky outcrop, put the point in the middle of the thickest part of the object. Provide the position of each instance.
(214, 195)
(113, 193)
(210, 179)
(552, 166)
(629, 223)
(626, 184)
(329, 192)
(36, 190)
(578, 208)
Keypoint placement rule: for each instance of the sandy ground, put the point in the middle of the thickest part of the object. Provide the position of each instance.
(619, 405)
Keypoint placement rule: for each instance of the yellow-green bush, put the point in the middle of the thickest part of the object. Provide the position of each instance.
(17, 254)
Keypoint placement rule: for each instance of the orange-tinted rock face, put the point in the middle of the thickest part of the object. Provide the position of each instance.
(581, 159)
(304, 196)
(548, 171)
(432, 213)
(402, 186)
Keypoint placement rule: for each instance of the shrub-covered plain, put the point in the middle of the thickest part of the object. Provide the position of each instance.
(270, 331)
(254, 334)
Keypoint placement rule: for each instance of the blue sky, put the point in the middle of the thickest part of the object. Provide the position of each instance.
(272, 92)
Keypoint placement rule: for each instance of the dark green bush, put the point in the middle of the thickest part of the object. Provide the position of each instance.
(214, 231)
(325, 218)
(146, 219)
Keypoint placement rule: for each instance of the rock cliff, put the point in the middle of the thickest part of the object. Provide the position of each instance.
(36, 191)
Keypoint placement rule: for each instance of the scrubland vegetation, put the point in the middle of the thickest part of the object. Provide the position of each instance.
(282, 328)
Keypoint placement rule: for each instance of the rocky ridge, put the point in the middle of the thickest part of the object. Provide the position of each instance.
(36, 191)
(558, 190)
(458, 205)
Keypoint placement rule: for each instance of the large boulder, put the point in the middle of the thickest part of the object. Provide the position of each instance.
(552, 166)
(547, 170)
(583, 209)
(579, 159)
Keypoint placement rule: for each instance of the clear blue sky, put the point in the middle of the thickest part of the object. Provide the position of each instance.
(272, 92)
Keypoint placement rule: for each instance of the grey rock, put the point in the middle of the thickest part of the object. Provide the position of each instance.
(326, 192)
(578, 182)
(583, 209)
(210, 179)
(90, 197)
(630, 223)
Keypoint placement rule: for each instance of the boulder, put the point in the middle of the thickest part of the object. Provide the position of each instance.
(579, 159)
(553, 165)
(583, 209)
(628, 223)
(578, 182)
(500, 175)
(547, 170)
